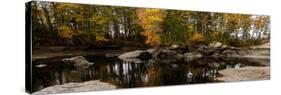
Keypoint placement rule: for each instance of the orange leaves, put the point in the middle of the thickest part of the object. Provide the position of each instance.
(150, 20)
(153, 39)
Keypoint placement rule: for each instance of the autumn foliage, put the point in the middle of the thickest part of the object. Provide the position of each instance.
(96, 25)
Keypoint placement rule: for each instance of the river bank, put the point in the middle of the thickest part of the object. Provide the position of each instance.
(95, 85)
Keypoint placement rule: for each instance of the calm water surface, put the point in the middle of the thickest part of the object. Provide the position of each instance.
(128, 75)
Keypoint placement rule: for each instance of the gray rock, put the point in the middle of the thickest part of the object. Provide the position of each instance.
(174, 46)
(166, 55)
(95, 85)
(77, 61)
(192, 56)
(132, 54)
(111, 55)
(215, 45)
(152, 50)
(135, 56)
(245, 74)
(41, 65)
(224, 46)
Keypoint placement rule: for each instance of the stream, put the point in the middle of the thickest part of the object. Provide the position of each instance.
(129, 75)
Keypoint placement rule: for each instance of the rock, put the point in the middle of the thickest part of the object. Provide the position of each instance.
(229, 52)
(214, 49)
(214, 65)
(41, 65)
(135, 56)
(202, 48)
(145, 56)
(174, 46)
(111, 55)
(78, 61)
(132, 54)
(224, 46)
(166, 55)
(175, 65)
(95, 85)
(151, 51)
(215, 45)
(245, 74)
(192, 56)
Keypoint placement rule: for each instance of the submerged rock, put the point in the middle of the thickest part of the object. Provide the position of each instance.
(77, 61)
(245, 73)
(95, 85)
(109, 55)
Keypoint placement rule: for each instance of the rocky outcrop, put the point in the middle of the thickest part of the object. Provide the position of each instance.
(162, 55)
(95, 85)
(166, 55)
(177, 53)
(213, 49)
(77, 61)
(245, 74)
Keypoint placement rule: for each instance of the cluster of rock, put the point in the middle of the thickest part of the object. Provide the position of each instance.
(175, 53)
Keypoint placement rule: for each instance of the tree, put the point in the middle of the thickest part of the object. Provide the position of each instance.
(150, 20)
(175, 26)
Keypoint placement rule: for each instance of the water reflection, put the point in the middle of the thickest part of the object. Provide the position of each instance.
(126, 75)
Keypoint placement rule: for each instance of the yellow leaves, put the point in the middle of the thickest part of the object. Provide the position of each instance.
(153, 38)
(78, 18)
(101, 38)
(150, 20)
(99, 19)
(66, 32)
(197, 37)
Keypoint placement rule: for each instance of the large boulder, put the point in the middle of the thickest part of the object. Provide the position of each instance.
(95, 85)
(174, 46)
(215, 45)
(245, 74)
(132, 54)
(166, 55)
(213, 49)
(77, 61)
(190, 56)
(135, 56)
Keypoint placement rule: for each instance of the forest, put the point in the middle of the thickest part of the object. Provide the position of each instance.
(84, 47)
(99, 26)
